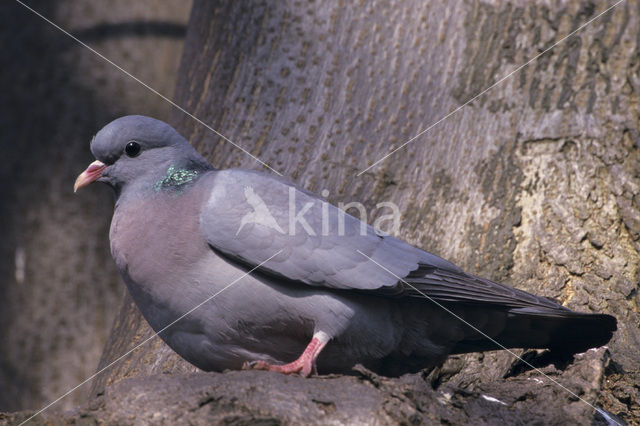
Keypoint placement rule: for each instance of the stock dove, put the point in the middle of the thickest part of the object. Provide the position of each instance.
(290, 281)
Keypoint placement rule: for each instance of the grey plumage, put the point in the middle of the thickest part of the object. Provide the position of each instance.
(182, 231)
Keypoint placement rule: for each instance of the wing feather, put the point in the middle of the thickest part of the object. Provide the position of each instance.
(249, 216)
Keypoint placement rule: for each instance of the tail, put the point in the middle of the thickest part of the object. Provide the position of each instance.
(563, 332)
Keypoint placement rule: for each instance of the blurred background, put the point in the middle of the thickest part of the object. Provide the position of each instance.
(55, 95)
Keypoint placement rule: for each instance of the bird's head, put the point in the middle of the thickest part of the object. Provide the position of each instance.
(138, 149)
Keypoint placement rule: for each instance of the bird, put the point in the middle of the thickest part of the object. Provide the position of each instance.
(292, 283)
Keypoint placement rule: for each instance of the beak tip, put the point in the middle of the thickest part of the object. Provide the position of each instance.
(79, 183)
(93, 172)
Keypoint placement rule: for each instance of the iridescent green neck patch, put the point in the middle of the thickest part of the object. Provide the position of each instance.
(175, 178)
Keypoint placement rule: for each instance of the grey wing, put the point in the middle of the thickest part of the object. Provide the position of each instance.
(250, 216)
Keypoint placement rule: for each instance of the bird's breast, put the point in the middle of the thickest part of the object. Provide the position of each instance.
(155, 241)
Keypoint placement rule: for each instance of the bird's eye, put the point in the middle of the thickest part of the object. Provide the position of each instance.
(132, 149)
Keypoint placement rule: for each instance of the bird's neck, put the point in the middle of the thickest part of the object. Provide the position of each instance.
(174, 180)
(177, 178)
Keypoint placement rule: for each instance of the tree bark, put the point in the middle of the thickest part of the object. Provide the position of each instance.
(535, 183)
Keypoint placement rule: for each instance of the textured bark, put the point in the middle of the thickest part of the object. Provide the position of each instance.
(59, 289)
(535, 183)
(243, 397)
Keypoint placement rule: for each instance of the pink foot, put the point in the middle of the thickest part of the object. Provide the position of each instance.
(305, 365)
(305, 368)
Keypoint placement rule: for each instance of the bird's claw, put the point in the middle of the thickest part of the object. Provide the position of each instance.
(295, 367)
(255, 365)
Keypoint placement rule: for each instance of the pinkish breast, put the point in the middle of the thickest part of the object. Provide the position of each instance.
(156, 230)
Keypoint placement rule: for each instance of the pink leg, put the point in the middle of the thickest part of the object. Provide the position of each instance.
(304, 365)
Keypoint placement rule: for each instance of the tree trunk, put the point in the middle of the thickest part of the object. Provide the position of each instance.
(535, 183)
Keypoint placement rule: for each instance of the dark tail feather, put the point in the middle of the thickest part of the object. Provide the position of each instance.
(563, 332)
(580, 332)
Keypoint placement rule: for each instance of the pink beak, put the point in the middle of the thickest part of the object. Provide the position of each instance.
(93, 172)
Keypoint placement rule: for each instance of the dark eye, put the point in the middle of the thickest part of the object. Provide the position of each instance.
(132, 149)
